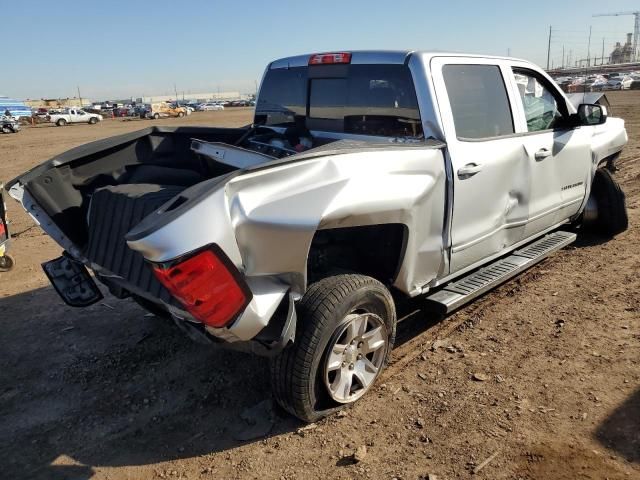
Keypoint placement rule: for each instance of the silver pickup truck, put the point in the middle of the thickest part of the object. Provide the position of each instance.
(366, 178)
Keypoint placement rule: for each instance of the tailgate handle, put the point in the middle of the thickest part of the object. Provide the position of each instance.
(469, 170)
(542, 154)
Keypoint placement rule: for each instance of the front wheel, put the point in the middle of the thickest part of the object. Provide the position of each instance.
(156, 116)
(346, 329)
(180, 114)
(606, 210)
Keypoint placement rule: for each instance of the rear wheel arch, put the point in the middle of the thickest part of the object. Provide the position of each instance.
(376, 251)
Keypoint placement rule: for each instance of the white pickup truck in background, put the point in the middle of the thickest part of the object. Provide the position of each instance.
(74, 115)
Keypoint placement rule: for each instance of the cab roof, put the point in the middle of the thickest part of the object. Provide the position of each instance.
(397, 57)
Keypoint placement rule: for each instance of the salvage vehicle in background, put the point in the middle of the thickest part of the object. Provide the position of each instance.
(7, 262)
(618, 83)
(366, 178)
(9, 124)
(209, 106)
(73, 115)
(164, 110)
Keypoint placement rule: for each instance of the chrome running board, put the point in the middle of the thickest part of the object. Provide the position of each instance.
(456, 294)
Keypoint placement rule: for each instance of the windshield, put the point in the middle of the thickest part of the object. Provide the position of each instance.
(364, 99)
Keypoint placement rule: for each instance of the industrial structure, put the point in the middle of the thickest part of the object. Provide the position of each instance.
(636, 33)
(623, 53)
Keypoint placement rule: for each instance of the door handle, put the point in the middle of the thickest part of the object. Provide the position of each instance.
(469, 170)
(542, 154)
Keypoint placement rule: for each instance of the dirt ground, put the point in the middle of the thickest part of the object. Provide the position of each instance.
(109, 392)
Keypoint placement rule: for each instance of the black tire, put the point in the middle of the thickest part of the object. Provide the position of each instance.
(61, 122)
(156, 116)
(180, 114)
(296, 375)
(93, 121)
(7, 262)
(612, 216)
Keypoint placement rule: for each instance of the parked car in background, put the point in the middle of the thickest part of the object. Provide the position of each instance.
(618, 83)
(209, 106)
(164, 110)
(40, 112)
(74, 115)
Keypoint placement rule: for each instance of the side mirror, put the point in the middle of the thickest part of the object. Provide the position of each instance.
(592, 114)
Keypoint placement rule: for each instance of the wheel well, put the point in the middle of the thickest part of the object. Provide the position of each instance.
(373, 250)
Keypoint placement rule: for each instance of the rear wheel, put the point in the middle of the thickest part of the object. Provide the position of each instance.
(61, 122)
(93, 121)
(606, 211)
(346, 329)
(180, 114)
(156, 116)
(7, 262)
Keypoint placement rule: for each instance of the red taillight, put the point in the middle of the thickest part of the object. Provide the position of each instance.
(206, 285)
(329, 58)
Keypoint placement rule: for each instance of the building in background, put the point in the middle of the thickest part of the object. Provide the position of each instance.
(58, 102)
(191, 97)
(623, 53)
(17, 108)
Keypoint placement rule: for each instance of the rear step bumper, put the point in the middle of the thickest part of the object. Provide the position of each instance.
(72, 281)
(458, 293)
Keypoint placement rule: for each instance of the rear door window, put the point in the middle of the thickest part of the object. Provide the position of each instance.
(479, 101)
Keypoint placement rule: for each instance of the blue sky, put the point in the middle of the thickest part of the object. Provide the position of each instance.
(120, 48)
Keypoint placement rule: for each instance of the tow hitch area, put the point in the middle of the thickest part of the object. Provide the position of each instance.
(72, 282)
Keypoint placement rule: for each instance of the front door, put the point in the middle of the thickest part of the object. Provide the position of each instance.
(559, 156)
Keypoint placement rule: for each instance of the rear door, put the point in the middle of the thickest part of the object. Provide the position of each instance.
(490, 172)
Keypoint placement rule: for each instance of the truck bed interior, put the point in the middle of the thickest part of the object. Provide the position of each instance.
(97, 192)
(153, 163)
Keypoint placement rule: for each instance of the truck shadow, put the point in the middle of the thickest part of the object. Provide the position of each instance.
(110, 385)
(621, 430)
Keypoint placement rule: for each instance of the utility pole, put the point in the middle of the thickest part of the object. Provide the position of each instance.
(175, 91)
(79, 96)
(562, 57)
(589, 49)
(569, 58)
(549, 47)
(602, 57)
(509, 52)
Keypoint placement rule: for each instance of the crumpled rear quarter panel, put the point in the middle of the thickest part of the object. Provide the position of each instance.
(275, 212)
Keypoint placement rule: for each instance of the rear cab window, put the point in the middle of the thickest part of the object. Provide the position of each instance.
(376, 100)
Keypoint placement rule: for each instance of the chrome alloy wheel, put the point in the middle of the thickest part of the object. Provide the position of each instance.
(355, 356)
